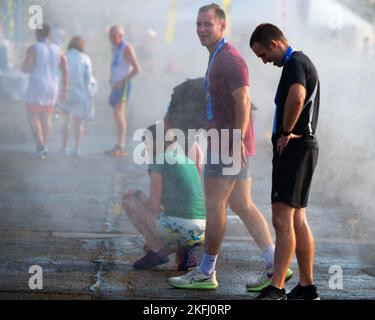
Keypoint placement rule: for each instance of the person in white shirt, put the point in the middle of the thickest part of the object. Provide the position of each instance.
(43, 62)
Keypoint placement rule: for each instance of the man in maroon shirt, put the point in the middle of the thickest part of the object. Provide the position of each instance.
(228, 107)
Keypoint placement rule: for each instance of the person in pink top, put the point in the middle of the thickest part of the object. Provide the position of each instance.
(228, 108)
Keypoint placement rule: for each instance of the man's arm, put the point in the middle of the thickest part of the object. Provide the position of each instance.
(242, 115)
(293, 107)
(129, 54)
(242, 108)
(64, 71)
(29, 61)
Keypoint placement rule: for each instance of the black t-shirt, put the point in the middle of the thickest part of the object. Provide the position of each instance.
(299, 69)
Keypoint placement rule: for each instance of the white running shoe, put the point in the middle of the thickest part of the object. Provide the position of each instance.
(194, 279)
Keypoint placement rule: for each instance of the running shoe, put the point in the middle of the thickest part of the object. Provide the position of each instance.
(117, 152)
(186, 258)
(151, 259)
(272, 293)
(195, 279)
(265, 280)
(303, 293)
(41, 152)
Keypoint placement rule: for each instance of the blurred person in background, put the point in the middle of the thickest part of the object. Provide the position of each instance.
(43, 62)
(82, 87)
(124, 67)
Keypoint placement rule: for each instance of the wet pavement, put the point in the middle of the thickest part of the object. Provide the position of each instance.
(64, 214)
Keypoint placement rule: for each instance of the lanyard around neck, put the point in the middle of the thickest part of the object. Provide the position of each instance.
(206, 81)
(288, 54)
(117, 55)
(218, 48)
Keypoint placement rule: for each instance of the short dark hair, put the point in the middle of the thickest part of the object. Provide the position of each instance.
(43, 32)
(77, 43)
(265, 33)
(219, 13)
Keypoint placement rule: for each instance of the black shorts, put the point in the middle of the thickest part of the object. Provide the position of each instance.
(292, 173)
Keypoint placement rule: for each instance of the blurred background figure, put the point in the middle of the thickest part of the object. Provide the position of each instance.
(81, 89)
(124, 67)
(43, 62)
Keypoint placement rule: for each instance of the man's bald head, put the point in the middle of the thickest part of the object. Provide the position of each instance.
(117, 29)
(116, 34)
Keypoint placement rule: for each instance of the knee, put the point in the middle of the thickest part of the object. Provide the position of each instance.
(213, 207)
(241, 208)
(281, 224)
(128, 203)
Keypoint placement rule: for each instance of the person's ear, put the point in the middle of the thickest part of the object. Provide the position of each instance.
(223, 25)
(273, 45)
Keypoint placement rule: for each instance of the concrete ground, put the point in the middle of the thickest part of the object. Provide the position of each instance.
(64, 214)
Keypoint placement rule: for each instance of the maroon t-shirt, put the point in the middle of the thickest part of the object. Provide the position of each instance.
(227, 73)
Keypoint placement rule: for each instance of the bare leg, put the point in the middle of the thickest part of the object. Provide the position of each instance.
(218, 191)
(282, 218)
(36, 127)
(119, 114)
(79, 130)
(46, 120)
(143, 220)
(304, 248)
(242, 204)
(66, 130)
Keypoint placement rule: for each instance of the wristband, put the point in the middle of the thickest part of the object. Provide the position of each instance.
(286, 133)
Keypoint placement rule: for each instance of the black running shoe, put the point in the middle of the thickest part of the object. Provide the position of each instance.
(303, 293)
(272, 293)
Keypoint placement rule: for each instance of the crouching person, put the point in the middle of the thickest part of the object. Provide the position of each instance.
(172, 218)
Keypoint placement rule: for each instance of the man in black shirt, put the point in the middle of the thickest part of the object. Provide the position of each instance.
(295, 155)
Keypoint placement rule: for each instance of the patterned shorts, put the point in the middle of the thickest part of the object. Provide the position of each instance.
(180, 232)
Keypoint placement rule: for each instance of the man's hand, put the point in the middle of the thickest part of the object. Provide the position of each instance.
(283, 142)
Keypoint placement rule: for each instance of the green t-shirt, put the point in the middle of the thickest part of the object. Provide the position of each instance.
(182, 195)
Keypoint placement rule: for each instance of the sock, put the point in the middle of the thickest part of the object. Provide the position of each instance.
(208, 264)
(268, 255)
